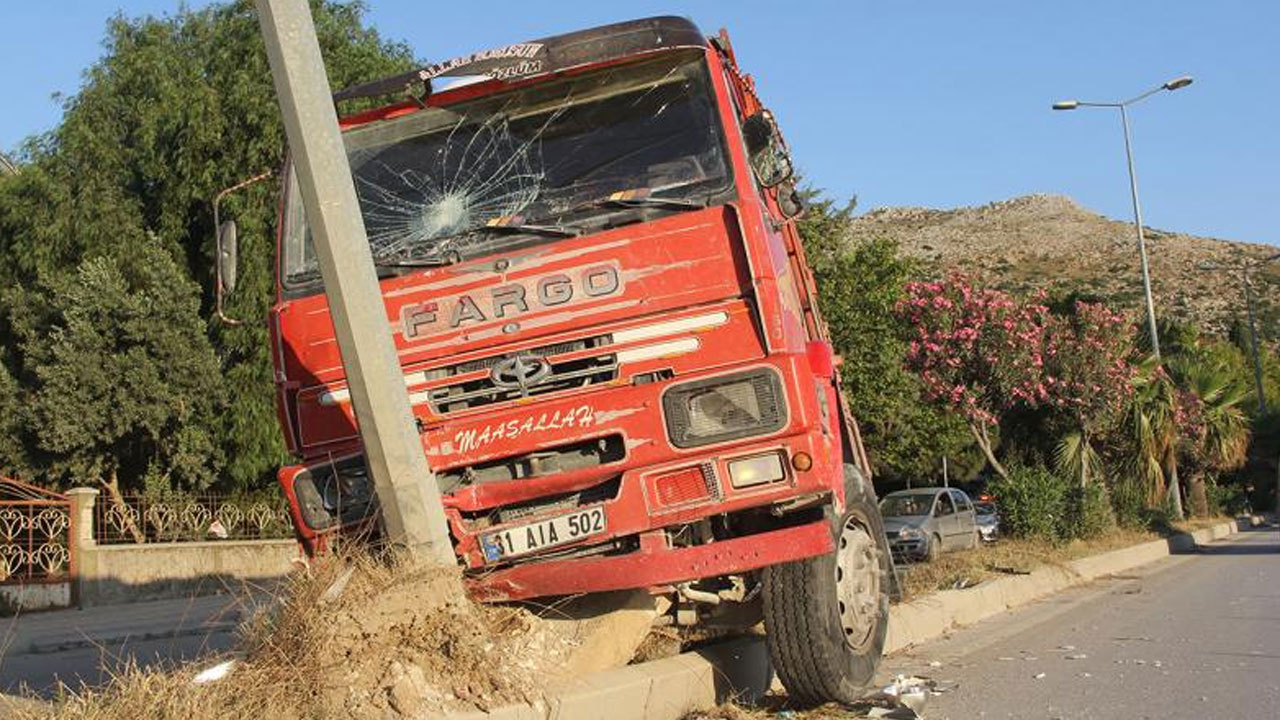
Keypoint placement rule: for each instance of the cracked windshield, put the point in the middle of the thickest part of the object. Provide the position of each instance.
(556, 159)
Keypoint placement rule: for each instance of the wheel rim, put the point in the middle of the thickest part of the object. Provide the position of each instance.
(857, 583)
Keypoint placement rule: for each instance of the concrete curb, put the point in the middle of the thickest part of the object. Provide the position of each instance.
(664, 689)
(930, 617)
(671, 688)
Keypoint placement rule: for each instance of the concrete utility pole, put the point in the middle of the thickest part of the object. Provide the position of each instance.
(411, 511)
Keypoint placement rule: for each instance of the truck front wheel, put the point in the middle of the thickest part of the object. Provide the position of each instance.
(827, 616)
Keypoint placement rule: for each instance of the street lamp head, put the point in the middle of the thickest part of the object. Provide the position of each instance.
(1178, 83)
(1066, 105)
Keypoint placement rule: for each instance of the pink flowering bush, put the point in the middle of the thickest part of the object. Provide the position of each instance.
(1089, 371)
(978, 350)
(982, 353)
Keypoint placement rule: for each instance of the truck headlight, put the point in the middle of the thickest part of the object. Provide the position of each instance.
(724, 408)
(334, 493)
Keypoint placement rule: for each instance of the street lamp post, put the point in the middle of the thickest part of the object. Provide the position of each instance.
(1245, 268)
(1123, 107)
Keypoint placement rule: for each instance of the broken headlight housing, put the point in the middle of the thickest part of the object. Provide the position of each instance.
(334, 494)
(724, 408)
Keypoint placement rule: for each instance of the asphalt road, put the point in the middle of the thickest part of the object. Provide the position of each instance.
(1193, 636)
(38, 650)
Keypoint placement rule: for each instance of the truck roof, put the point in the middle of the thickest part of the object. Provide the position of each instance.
(546, 55)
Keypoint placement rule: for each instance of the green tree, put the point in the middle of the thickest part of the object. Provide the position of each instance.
(178, 108)
(859, 285)
(119, 378)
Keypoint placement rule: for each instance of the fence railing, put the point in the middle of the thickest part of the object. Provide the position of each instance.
(34, 534)
(189, 518)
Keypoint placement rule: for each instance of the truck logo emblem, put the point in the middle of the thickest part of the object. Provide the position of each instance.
(520, 372)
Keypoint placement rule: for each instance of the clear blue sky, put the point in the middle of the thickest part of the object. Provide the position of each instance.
(936, 103)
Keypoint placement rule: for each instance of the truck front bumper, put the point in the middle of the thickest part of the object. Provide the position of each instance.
(654, 564)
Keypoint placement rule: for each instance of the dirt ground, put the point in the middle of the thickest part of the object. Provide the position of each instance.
(364, 639)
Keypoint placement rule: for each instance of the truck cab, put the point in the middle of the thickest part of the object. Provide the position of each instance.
(610, 339)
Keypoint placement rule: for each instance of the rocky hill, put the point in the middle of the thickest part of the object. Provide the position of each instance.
(1043, 240)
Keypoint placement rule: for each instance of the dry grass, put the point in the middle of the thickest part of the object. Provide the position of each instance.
(396, 640)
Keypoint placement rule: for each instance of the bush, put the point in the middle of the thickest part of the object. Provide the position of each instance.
(1225, 499)
(1161, 517)
(1087, 512)
(1031, 501)
(1129, 503)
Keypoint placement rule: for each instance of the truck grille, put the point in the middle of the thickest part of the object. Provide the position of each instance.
(562, 502)
(566, 375)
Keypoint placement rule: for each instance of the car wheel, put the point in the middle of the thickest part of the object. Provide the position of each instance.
(933, 549)
(827, 616)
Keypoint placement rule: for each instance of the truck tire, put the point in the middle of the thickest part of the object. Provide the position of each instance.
(826, 616)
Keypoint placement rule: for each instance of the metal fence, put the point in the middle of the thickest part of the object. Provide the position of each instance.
(189, 518)
(35, 527)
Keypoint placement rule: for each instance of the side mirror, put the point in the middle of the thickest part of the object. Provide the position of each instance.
(765, 149)
(226, 248)
(227, 251)
(790, 202)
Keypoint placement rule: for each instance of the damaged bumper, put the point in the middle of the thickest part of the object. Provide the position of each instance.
(655, 563)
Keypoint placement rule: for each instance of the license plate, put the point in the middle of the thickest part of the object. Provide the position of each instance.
(559, 530)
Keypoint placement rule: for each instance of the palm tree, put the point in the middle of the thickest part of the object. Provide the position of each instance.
(1075, 456)
(1152, 437)
(1220, 439)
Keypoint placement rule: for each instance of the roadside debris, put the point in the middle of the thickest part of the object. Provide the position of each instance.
(215, 672)
(902, 699)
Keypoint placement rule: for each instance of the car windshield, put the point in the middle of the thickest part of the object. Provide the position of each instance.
(530, 164)
(906, 505)
(985, 508)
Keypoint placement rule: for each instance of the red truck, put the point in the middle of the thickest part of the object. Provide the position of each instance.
(610, 338)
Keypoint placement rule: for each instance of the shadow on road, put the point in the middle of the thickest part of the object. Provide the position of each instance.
(1255, 542)
(1268, 549)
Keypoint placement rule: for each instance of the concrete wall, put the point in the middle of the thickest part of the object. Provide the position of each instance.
(35, 596)
(109, 574)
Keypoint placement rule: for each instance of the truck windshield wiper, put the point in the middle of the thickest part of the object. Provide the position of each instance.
(644, 197)
(416, 262)
(513, 225)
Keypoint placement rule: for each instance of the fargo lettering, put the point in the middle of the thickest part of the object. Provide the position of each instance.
(504, 302)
